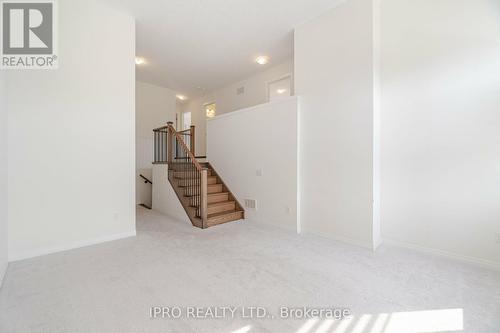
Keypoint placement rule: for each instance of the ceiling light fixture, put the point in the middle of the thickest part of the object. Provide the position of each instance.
(281, 91)
(139, 61)
(181, 97)
(262, 60)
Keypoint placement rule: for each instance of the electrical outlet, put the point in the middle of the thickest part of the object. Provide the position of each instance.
(259, 172)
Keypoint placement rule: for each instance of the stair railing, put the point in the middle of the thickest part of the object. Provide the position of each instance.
(160, 145)
(146, 180)
(171, 148)
(189, 137)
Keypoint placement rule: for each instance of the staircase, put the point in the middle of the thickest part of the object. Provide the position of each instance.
(206, 199)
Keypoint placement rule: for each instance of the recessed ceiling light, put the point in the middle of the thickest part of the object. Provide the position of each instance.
(181, 97)
(281, 91)
(262, 60)
(139, 61)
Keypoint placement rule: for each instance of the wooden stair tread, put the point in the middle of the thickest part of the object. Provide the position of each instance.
(217, 194)
(182, 174)
(211, 198)
(229, 212)
(189, 178)
(222, 206)
(210, 179)
(211, 195)
(209, 185)
(222, 203)
(224, 217)
(183, 182)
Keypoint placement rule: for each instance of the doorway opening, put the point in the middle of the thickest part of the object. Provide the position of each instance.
(186, 120)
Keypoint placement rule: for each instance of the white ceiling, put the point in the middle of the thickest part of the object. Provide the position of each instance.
(210, 43)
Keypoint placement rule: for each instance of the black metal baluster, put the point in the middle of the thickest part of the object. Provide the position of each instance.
(156, 146)
(161, 146)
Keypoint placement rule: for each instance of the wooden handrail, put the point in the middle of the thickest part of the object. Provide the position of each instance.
(184, 147)
(160, 128)
(199, 190)
(146, 180)
(191, 133)
(165, 135)
(184, 158)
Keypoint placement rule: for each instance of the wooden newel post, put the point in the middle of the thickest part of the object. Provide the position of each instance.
(192, 141)
(204, 198)
(170, 141)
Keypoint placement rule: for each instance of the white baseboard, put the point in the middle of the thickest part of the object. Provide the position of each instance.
(3, 271)
(287, 227)
(483, 263)
(377, 243)
(72, 246)
(342, 239)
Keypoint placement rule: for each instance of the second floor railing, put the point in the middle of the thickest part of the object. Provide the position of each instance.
(188, 136)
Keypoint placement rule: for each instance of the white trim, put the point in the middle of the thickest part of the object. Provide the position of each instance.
(75, 245)
(251, 108)
(298, 142)
(445, 254)
(284, 227)
(3, 271)
(342, 239)
(377, 242)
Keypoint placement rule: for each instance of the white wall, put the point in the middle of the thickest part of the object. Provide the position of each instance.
(165, 200)
(71, 137)
(255, 89)
(262, 137)
(155, 106)
(440, 126)
(3, 176)
(335, 79)
(227, 100)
